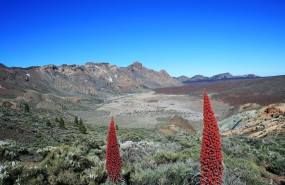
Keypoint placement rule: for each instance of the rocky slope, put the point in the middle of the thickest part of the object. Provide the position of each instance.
(254, 121)
(177, 125)
(91, 78)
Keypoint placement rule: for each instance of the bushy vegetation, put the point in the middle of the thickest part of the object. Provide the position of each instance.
(26, 107)
(61, 123)
(66, 156)
(76, 120)
(81, 127)
(48, 123)
(278, 166)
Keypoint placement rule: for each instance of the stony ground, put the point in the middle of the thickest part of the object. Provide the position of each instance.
(149, 109)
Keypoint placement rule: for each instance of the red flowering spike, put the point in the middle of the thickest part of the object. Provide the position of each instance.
(211, 153)
(113, 162)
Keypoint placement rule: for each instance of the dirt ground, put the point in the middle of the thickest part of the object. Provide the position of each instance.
(150, 110)
(263, 91)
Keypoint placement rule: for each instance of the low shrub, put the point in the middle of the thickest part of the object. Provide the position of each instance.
(277, 167)
(177, 173)
(163, 157)
(244, 169)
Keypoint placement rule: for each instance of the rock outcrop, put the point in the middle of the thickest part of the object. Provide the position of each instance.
(9, 104)
(256, 123)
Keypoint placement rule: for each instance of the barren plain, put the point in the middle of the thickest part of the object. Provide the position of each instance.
(150, 110)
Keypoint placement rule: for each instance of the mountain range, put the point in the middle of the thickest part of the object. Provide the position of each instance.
(91, 78)
(222, 76)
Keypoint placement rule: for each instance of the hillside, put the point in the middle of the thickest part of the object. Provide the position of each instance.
(34, 153)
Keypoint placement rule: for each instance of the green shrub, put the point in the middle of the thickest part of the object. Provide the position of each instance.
(61, 123)
(263, 158)
(193, 153)
(185, 143)
(171, 138)
(163, 157)
(48, 123)
(177, 173)
(64, 157)
(148, 176)
(16, 173)
(247, 171)
(40, 144)
(26, 107)
(9, 151)
(278, 149)
(82, 127)
(97, 173)
(76, 120)
(277, 167)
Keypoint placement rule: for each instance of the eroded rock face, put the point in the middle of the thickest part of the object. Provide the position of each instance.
(272, 111)
(9, 104)
(91, 78)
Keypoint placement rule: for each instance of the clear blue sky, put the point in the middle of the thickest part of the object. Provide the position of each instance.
(182, 37)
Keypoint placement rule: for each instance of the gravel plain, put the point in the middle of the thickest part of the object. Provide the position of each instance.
(150, 110)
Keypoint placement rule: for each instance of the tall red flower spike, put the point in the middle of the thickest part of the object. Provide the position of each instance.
(113, 162)
(211, 153)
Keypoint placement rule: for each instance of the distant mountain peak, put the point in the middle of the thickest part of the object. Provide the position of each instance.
(221, 76)
(136, 64)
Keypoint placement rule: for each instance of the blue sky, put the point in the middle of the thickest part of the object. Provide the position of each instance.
(182, 37)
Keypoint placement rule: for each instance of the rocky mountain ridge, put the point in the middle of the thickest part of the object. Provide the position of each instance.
(91, 78)
(222, 76)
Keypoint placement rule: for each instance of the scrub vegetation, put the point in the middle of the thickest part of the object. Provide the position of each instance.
(34, 152)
